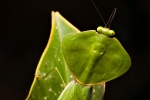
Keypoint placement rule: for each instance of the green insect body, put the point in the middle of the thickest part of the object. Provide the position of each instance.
(94, 57)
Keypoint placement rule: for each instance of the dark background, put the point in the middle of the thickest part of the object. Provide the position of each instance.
(25, 28)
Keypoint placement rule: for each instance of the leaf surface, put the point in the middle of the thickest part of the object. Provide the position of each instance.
(47, 83)
(52, 74)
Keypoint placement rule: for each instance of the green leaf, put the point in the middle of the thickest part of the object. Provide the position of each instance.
(47, 83)
(98, 91)
(75, 91)
(52, 74)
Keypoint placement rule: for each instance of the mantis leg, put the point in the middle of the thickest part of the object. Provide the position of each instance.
(44, 76)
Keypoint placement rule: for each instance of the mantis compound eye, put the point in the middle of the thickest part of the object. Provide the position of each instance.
(105, 31)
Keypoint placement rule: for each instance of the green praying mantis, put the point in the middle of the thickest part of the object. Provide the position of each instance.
(94, 57)
(91, 57)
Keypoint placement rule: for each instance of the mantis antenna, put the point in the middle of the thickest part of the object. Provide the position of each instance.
(110, 18)
(98, 12)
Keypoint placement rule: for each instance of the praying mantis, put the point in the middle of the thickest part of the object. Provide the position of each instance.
(91, 57)
(94, 57)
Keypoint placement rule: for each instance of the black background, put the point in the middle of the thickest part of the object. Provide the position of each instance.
(25, 28)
